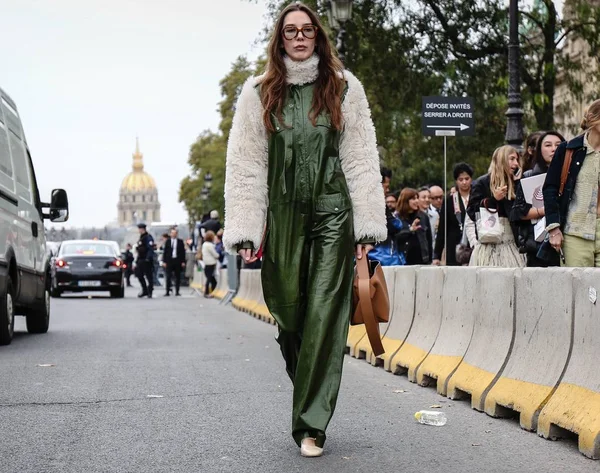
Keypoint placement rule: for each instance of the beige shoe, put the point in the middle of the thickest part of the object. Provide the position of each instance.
(309, 449)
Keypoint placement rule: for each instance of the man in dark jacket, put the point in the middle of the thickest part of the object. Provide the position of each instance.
(144, 263)
(173, 260)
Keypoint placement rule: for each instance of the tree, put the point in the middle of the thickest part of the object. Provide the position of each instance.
(474, 31)
(405, 49)
(207, 153)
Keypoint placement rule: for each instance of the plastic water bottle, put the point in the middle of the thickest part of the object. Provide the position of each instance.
(436, 418)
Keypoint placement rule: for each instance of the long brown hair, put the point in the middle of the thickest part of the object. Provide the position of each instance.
(500, 173)
(591, 117)
(328, 87)
(403, 206)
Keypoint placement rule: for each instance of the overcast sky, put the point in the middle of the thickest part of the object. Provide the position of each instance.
(90, 75)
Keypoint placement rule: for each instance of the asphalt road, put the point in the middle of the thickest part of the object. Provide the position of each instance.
(224, 403)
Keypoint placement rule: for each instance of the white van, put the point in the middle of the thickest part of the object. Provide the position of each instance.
(24, 261)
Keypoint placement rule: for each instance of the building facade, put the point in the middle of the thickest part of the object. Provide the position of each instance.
(569, 107)
(138, 196)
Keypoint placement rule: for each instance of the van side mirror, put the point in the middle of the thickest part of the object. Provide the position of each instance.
(59, 206)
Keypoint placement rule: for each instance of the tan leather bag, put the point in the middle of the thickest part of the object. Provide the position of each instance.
(371, 301)
(565, 170)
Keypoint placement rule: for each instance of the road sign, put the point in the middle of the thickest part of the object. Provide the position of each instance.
(448, 116)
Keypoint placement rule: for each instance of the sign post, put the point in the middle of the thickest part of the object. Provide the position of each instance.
(448, 116)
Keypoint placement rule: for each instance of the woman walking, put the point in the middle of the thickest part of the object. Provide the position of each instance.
(302, 166)
(572, 207)
(496, 191)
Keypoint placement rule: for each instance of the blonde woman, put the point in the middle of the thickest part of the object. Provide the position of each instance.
(302, 158)
(496, 192)
(572, 216)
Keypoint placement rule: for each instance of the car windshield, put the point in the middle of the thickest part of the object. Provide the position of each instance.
(87, 249)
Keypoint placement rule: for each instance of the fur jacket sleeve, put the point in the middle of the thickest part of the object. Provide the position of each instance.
(360, 163)
(246, 189)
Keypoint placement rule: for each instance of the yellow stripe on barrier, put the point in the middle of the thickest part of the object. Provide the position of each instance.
(363, 349)
(263, 314)
(473, 381)
(575, 409)
(408, 358)
(355, 335)
(439, 367)
(391, 346)
(521, 396)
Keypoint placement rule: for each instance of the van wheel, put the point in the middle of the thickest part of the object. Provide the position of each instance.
(38, 320)
(54, 291)
(7, 314)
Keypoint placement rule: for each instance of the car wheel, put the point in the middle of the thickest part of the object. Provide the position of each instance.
(122, 292)
(7, 314)
(55, 292)
(38, 320)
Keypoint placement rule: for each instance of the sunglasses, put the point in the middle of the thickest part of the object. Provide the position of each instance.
(308, 31)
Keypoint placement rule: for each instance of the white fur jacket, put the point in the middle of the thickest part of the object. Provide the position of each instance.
(246, 189)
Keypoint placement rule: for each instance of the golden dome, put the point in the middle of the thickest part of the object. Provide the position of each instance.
(138, 180)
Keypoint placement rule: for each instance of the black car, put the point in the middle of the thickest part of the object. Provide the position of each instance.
(88, 265)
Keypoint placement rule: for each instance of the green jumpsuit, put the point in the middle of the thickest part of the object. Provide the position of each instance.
(319, 191)
(308, 261)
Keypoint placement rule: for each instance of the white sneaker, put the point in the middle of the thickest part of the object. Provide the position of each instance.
(309, 449)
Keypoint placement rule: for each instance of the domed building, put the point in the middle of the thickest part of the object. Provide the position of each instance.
(138, 197)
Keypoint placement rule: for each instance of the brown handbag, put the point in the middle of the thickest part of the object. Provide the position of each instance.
(371, 301)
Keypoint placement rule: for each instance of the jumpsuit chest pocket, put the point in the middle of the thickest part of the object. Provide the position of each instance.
(332, 204)
(323, 120)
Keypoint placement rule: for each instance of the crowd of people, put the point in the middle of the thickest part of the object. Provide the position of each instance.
(496, 220)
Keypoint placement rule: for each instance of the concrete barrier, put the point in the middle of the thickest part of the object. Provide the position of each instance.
(254, 290)
(198, 280)
(240, 299)
(402, 299)
(493, 336)
(575, 406)
(261, 309)
(355, 334)
(222, 286)
(458, 319)
(363, 347)
(543, 340)
(426, 325)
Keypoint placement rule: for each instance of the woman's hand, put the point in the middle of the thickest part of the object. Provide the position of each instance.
(248, 256)
(556, 239)
(500, 192)
(415, 225)
(436, 262)
(359, 250)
